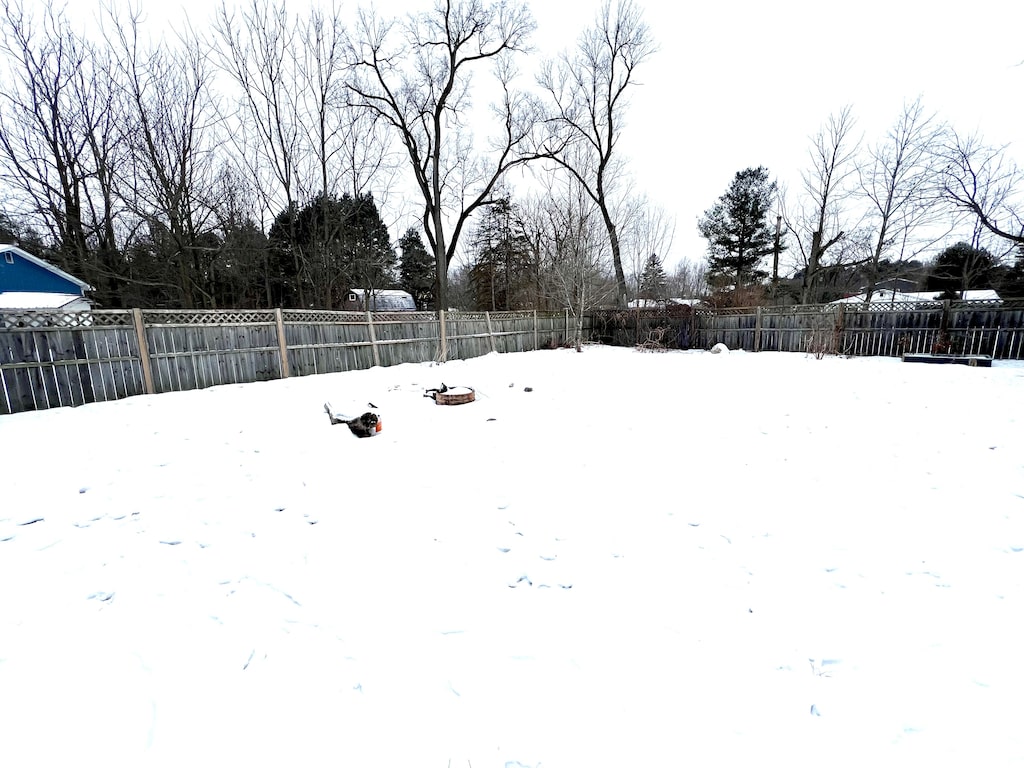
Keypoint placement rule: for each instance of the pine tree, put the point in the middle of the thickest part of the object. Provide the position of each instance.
(417, 272)
(961, 267)
(653, 280)
(502, 272)
(738, 231)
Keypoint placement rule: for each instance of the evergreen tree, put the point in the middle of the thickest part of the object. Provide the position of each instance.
(417, 273)
(961, 267)
(738, 231)
(327, 247)
(653, 280)
(1012, 285)
(502, 272)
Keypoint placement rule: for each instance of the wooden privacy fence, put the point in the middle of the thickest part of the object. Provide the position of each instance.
(52, 359)
(990, 328)
(669, 327)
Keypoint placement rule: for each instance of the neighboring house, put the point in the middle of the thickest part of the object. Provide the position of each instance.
(28, 282)
(897, 297)
(661, 303)
(897, 284)
(380, 301)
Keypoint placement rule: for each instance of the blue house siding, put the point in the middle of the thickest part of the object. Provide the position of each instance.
(22, 272)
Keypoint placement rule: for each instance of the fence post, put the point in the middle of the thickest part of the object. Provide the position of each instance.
(944, 326)
(840, 329)
(373, 339)
(282, 342)
(147, 365)
(565, 335)
(757, 330)
(490, 331)
(536, 335)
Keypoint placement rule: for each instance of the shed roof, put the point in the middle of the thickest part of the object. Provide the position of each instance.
(388, 300)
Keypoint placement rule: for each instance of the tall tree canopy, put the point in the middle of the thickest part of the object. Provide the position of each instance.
(589, 88)
(738, 229)
(503, 274)
(415, 77)
(347, 246)
(962, 267)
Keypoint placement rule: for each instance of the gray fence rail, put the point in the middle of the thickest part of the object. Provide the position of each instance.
(53, 359)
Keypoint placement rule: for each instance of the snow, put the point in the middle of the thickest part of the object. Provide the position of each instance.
(646, 559)
(891, 297)
(36, 300)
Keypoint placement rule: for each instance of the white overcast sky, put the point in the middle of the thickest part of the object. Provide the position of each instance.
(746, 83)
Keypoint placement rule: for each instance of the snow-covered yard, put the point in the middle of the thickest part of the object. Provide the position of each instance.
(647, 560)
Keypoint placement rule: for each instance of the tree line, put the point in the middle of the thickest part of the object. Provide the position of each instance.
(263, 161)
(869, 214)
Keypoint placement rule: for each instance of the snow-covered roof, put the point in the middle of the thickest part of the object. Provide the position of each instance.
(644, 303)
(70, 302)
(684, 302)
(896, 297)
(659, 303)
(387, 300)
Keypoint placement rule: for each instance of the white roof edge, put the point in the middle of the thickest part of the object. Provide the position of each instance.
(381, 291)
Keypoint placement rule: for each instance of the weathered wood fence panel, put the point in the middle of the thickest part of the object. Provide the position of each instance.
(66, 359)
(52, 359)
(977, 328)
(194, 350)
(893, 330)
(326, 342)
(672, 328)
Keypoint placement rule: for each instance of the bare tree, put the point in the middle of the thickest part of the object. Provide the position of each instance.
(899, 180)
(820, 222)
(589, 89)
(416, 76)
(573, 255)
(257, 51)
(172, 140)
(60, 139)
(690, 279)
(984, 183)
(651, 230)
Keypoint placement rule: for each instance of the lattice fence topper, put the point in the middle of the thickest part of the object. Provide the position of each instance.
(206, 317)
(725, 311)
(898, 306)
(34, 318)
(403, 317)
(322, 316)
